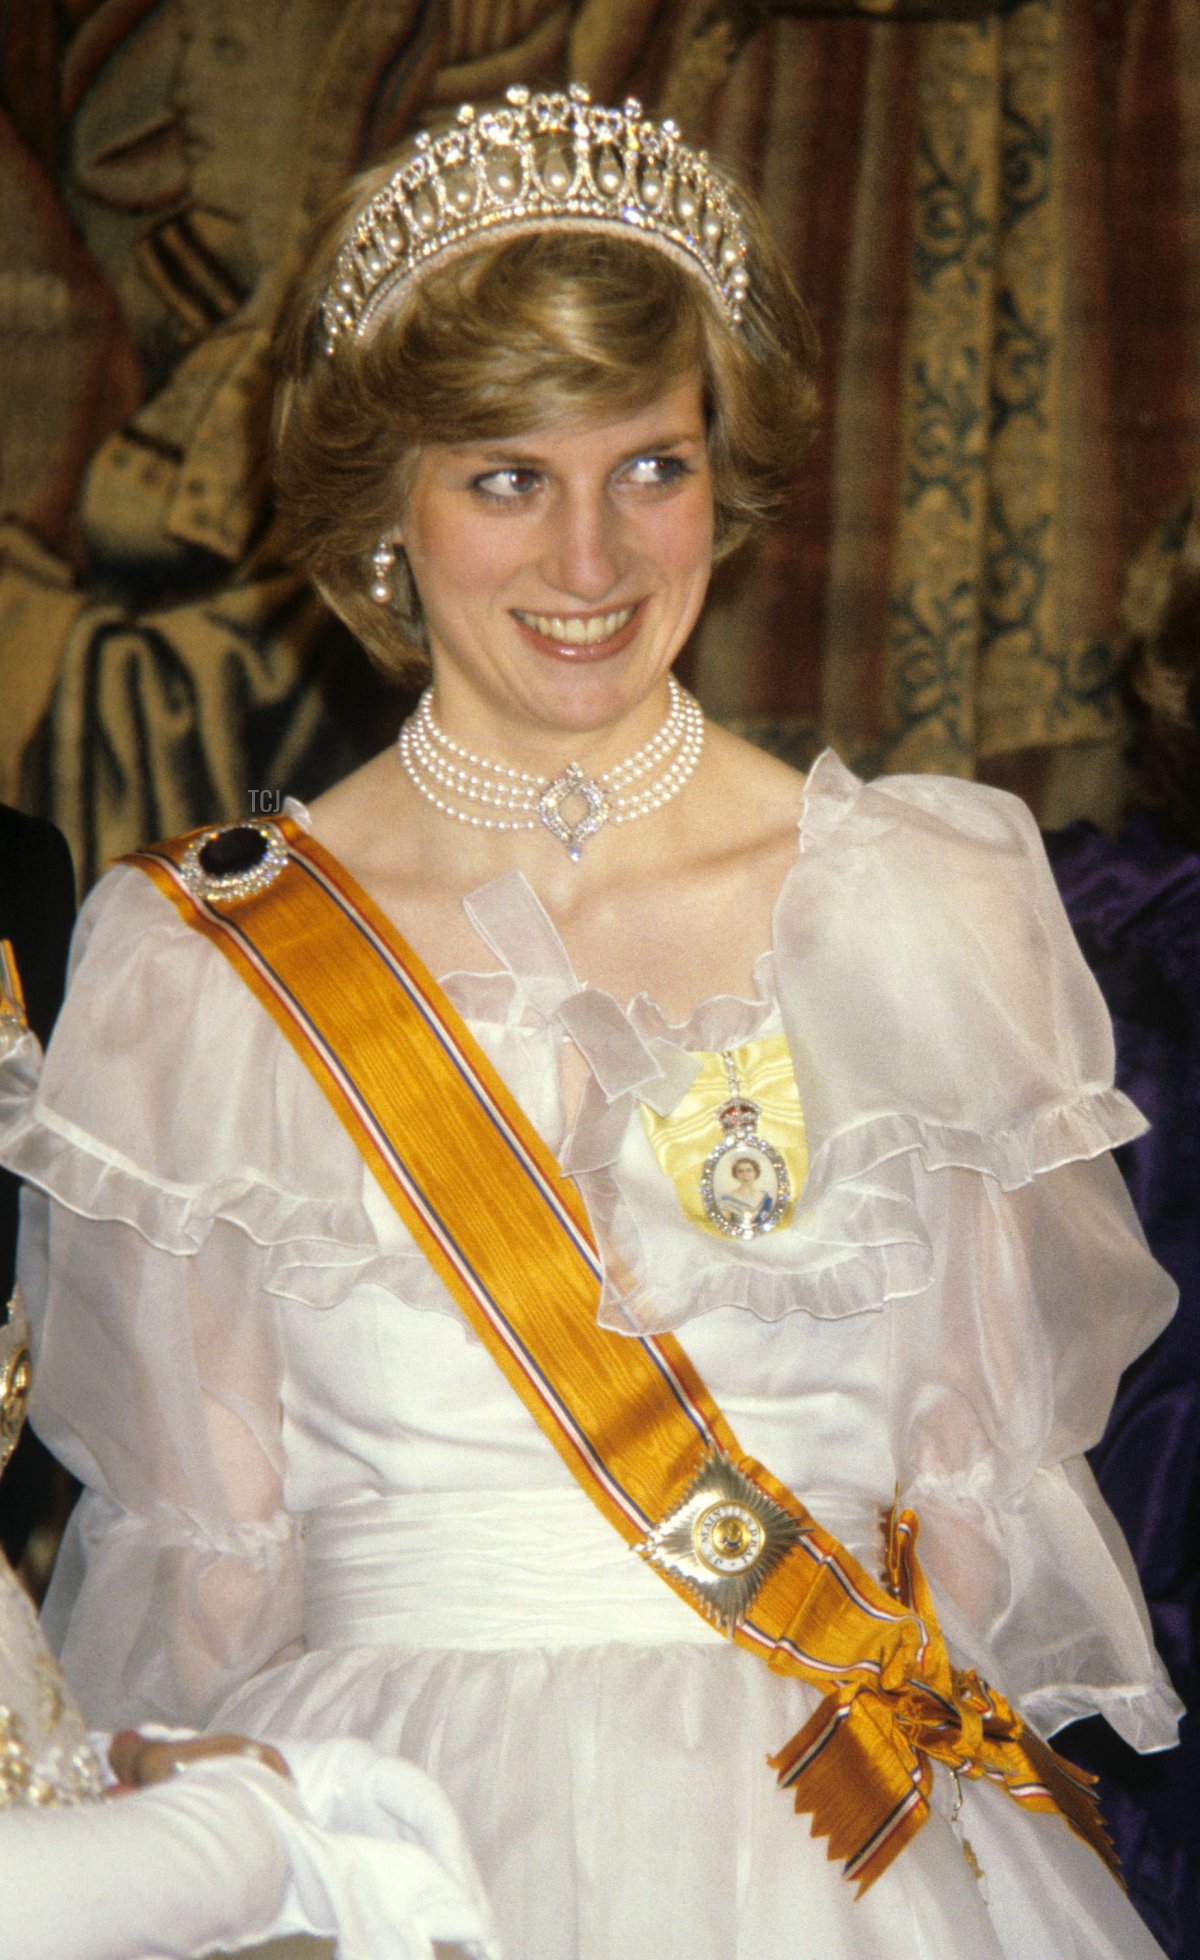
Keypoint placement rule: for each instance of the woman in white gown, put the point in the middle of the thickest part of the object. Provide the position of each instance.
(535, 383)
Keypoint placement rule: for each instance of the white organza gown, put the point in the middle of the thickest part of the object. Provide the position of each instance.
(316, 1507)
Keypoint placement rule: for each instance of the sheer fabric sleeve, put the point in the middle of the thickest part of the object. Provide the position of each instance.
(157, 1383)
(176, 1180)
(1002, 1379)
(955, 1060)
(936, 999)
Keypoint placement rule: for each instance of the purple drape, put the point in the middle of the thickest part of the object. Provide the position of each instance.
(1134, 901)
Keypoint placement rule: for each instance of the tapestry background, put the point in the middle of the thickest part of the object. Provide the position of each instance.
(993, 209)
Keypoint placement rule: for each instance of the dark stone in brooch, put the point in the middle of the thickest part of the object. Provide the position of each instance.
(239, 848)
(234, 861)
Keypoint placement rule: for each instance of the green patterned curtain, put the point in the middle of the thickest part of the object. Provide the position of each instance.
(990, 206)
(995, 220)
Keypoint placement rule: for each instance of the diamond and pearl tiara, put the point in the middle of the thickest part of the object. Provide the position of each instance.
(543, 159)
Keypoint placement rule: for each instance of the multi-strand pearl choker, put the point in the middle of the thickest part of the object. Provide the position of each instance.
(489, 796)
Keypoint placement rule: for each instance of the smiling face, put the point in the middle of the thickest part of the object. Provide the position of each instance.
(561, 571)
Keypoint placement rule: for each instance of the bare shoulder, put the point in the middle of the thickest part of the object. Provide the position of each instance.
(404, 856)
(758, 794)
(348, 801)
(361, 817)
(683, 912)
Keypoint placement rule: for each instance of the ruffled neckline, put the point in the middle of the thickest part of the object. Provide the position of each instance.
(937, 1015)
(485, 995)
(1009, 1082)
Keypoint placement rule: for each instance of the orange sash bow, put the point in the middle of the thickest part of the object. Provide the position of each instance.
(508, 1234)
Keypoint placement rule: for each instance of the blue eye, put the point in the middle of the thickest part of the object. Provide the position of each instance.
(506, 485)
(656, 472)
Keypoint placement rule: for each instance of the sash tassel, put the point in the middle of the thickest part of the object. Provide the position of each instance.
(861, 1768)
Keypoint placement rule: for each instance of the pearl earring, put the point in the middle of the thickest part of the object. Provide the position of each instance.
(383, 561)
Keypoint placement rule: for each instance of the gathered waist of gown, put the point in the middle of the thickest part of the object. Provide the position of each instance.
(497, 1569)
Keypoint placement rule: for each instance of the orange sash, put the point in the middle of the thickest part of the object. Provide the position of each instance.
(508, 1234)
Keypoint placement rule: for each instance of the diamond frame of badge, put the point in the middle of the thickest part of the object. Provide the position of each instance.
(753, 1228)
(724, 1580)
(234, 886)
(573, 782)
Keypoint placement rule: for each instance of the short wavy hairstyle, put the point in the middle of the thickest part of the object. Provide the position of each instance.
(561, 325)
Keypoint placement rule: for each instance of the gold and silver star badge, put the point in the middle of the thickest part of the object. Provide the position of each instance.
(722, 1540)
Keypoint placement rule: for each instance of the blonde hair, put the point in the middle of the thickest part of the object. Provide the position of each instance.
(563, 324)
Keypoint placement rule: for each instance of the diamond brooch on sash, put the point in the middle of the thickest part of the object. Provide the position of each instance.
(722, 1540)
(234, 861)
(744, 1183)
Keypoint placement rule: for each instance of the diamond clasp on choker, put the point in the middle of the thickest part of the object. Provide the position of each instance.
(490, 796)
(571, 783)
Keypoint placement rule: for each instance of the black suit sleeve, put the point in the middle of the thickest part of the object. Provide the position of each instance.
(37, 911)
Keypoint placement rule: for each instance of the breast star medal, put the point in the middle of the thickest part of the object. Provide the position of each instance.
(722, 1540)
(744, 1183)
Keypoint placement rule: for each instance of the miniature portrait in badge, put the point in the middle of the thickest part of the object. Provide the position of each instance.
(747, 1192)
(744, 1186)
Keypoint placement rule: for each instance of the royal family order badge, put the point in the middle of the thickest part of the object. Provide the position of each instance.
(744, 1183)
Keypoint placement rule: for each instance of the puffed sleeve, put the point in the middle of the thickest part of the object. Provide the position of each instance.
(157, 1383)
(956, 1065)
(178, 1193)
(935, 1004)
(936, 998)
(1003, 1375)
